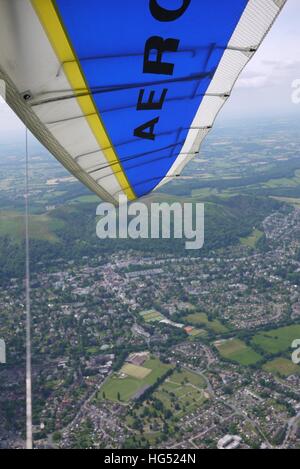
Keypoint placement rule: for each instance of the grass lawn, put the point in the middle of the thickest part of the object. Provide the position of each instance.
(201, 319)
(277, 340)
(238, 351)
(129, 386)
(282, 367)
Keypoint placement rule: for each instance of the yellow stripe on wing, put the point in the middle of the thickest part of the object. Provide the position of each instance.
(58, 37)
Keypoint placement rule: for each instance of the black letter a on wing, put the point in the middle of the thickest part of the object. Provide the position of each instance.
(141, 131)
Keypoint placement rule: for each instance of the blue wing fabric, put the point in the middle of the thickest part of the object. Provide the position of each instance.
(109, 40)
(123, 92)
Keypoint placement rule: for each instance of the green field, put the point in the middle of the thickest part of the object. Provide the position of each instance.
(181, 394)
(198, 333)
(185, 376)
(151, 316)
(282, 367)
(289, 200)
(282, 182)
(129, 386)
(204, 193)
(237, 351)
(87, 199)
(42, 227)
(135, 371)
(277, 340)
(252, 240)
(201, 319)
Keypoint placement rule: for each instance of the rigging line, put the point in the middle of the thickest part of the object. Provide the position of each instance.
(211, 49)
(29, 441)
(135, 157)
(95, 58)
(176, 176)
(144, 163)
(172, 147)
(79, 93)
(158, 158)
(133, 106)
(120, 144)
(192, 50)
(124, 159)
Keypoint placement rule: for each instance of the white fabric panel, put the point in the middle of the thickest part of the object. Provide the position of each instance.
(233, 62)
(255, 23)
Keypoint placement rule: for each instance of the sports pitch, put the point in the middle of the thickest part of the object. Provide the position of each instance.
(151, 316)
(127, 387)
(135, 371)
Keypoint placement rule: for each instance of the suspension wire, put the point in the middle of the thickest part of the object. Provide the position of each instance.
(122, 160)
(177, 177)
(192, 50)
(104, 166)
(29, 440)
(82, 92)
(144, 163)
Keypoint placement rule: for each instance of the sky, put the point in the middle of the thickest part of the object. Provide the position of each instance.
(264, 89)
(265, 86)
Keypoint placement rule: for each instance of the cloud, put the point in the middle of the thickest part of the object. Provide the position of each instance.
(269, 73)
(252, 82)
(277, 62)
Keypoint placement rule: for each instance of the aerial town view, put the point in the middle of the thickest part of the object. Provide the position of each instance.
(139, 343)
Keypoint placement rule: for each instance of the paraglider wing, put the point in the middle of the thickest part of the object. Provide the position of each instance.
(122, 93)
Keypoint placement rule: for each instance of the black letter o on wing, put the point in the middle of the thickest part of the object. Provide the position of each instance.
(163, 14)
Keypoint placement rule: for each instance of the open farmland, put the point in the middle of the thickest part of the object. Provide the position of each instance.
(282, 367)
(42, 227)
(277, 340)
